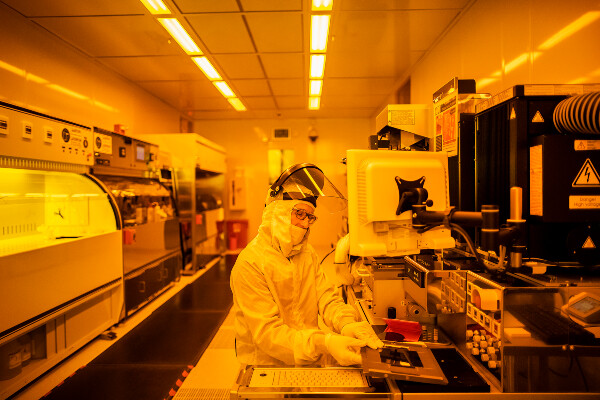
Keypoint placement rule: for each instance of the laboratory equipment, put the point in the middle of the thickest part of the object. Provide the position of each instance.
(454, 122)
(403, 126)
(376, 227)
(584, 307)
(152, 255)
(517, 144)
(410, 361)
(56, 292)
(199, 182)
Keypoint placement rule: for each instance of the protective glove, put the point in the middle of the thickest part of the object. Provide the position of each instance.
(345, 350)
(362, 330)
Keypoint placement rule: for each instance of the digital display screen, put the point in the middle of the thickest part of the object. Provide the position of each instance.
(586, 304)
(140, 153)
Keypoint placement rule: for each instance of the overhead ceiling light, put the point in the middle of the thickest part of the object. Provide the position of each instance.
(237, 104)
(156, 6)
(315, 88)
(180, 35)
(322, 5)
(317, 66)
(318, 33)
(206, 67)
(224, 88)
(314, 103)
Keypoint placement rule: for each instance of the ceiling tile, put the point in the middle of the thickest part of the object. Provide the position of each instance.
(272, 5)
(181, 94)
(283, 65)
(222, 33)
(155, 68)
(288, 87)
(45, 8)
(259, 103)
(200, 6)
(390, 5)
(292, 102)
(251, 87)
(422, 39)
(373, 65)
(348, 102)
(358, 86)
(240, 66)
(369, 32)
(276, 32)
(113, 36)
(210, 104)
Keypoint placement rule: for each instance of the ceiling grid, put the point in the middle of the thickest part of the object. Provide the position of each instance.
(258, 46)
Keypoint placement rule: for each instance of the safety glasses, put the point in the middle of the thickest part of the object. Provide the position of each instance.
(302, 214)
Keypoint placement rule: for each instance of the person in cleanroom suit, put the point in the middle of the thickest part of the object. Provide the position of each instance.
(279, 289)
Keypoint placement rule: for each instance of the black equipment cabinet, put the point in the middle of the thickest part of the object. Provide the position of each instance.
(517, 144)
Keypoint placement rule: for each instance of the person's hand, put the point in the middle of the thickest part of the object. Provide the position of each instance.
(362, 330)
(345, 350)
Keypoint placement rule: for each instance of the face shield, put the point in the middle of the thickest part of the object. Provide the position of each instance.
(307, 182)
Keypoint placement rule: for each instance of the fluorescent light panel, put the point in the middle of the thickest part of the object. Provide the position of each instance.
(237, 104)
(317, 66)
(322, 5)
(314, 103)
(180, 35)
(224, 88)
(315, 88)
(318, 33)
(156, 6)
(206, 67)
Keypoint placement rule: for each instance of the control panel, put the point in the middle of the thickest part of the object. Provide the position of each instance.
(29, 134)
(123, 152)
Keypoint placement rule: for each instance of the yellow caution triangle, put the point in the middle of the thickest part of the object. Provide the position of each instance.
(513, 114)
(588, 244)
(587, 176)
(537, 117)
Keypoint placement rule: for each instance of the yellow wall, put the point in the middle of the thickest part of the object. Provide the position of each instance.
(40, 72)
(501, 43)
(246, 149)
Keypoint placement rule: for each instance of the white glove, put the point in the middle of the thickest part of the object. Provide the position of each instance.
(362, 330)
(345, 350)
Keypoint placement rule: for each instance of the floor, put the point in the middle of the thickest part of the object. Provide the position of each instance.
(185, 329)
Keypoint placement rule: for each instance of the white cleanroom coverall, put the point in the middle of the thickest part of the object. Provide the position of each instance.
(279, 291)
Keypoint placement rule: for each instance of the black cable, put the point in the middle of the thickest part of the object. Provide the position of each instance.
(327, 255)
(568, 370)
(582, 374)
(467, 238)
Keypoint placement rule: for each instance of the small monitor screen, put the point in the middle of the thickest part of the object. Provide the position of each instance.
(140, 153)
(586, 304)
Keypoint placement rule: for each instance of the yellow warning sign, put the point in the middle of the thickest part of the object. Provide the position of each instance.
(513, 114)
(587, 176)
(588, 244)
(537, 117)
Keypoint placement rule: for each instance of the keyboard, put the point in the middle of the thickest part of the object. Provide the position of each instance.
(307, 377)
(550, 326)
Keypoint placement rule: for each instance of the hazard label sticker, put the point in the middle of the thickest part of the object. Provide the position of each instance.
(584, 202)
(588, 244)
(537, 117)
(587, 176)
(585, 145)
